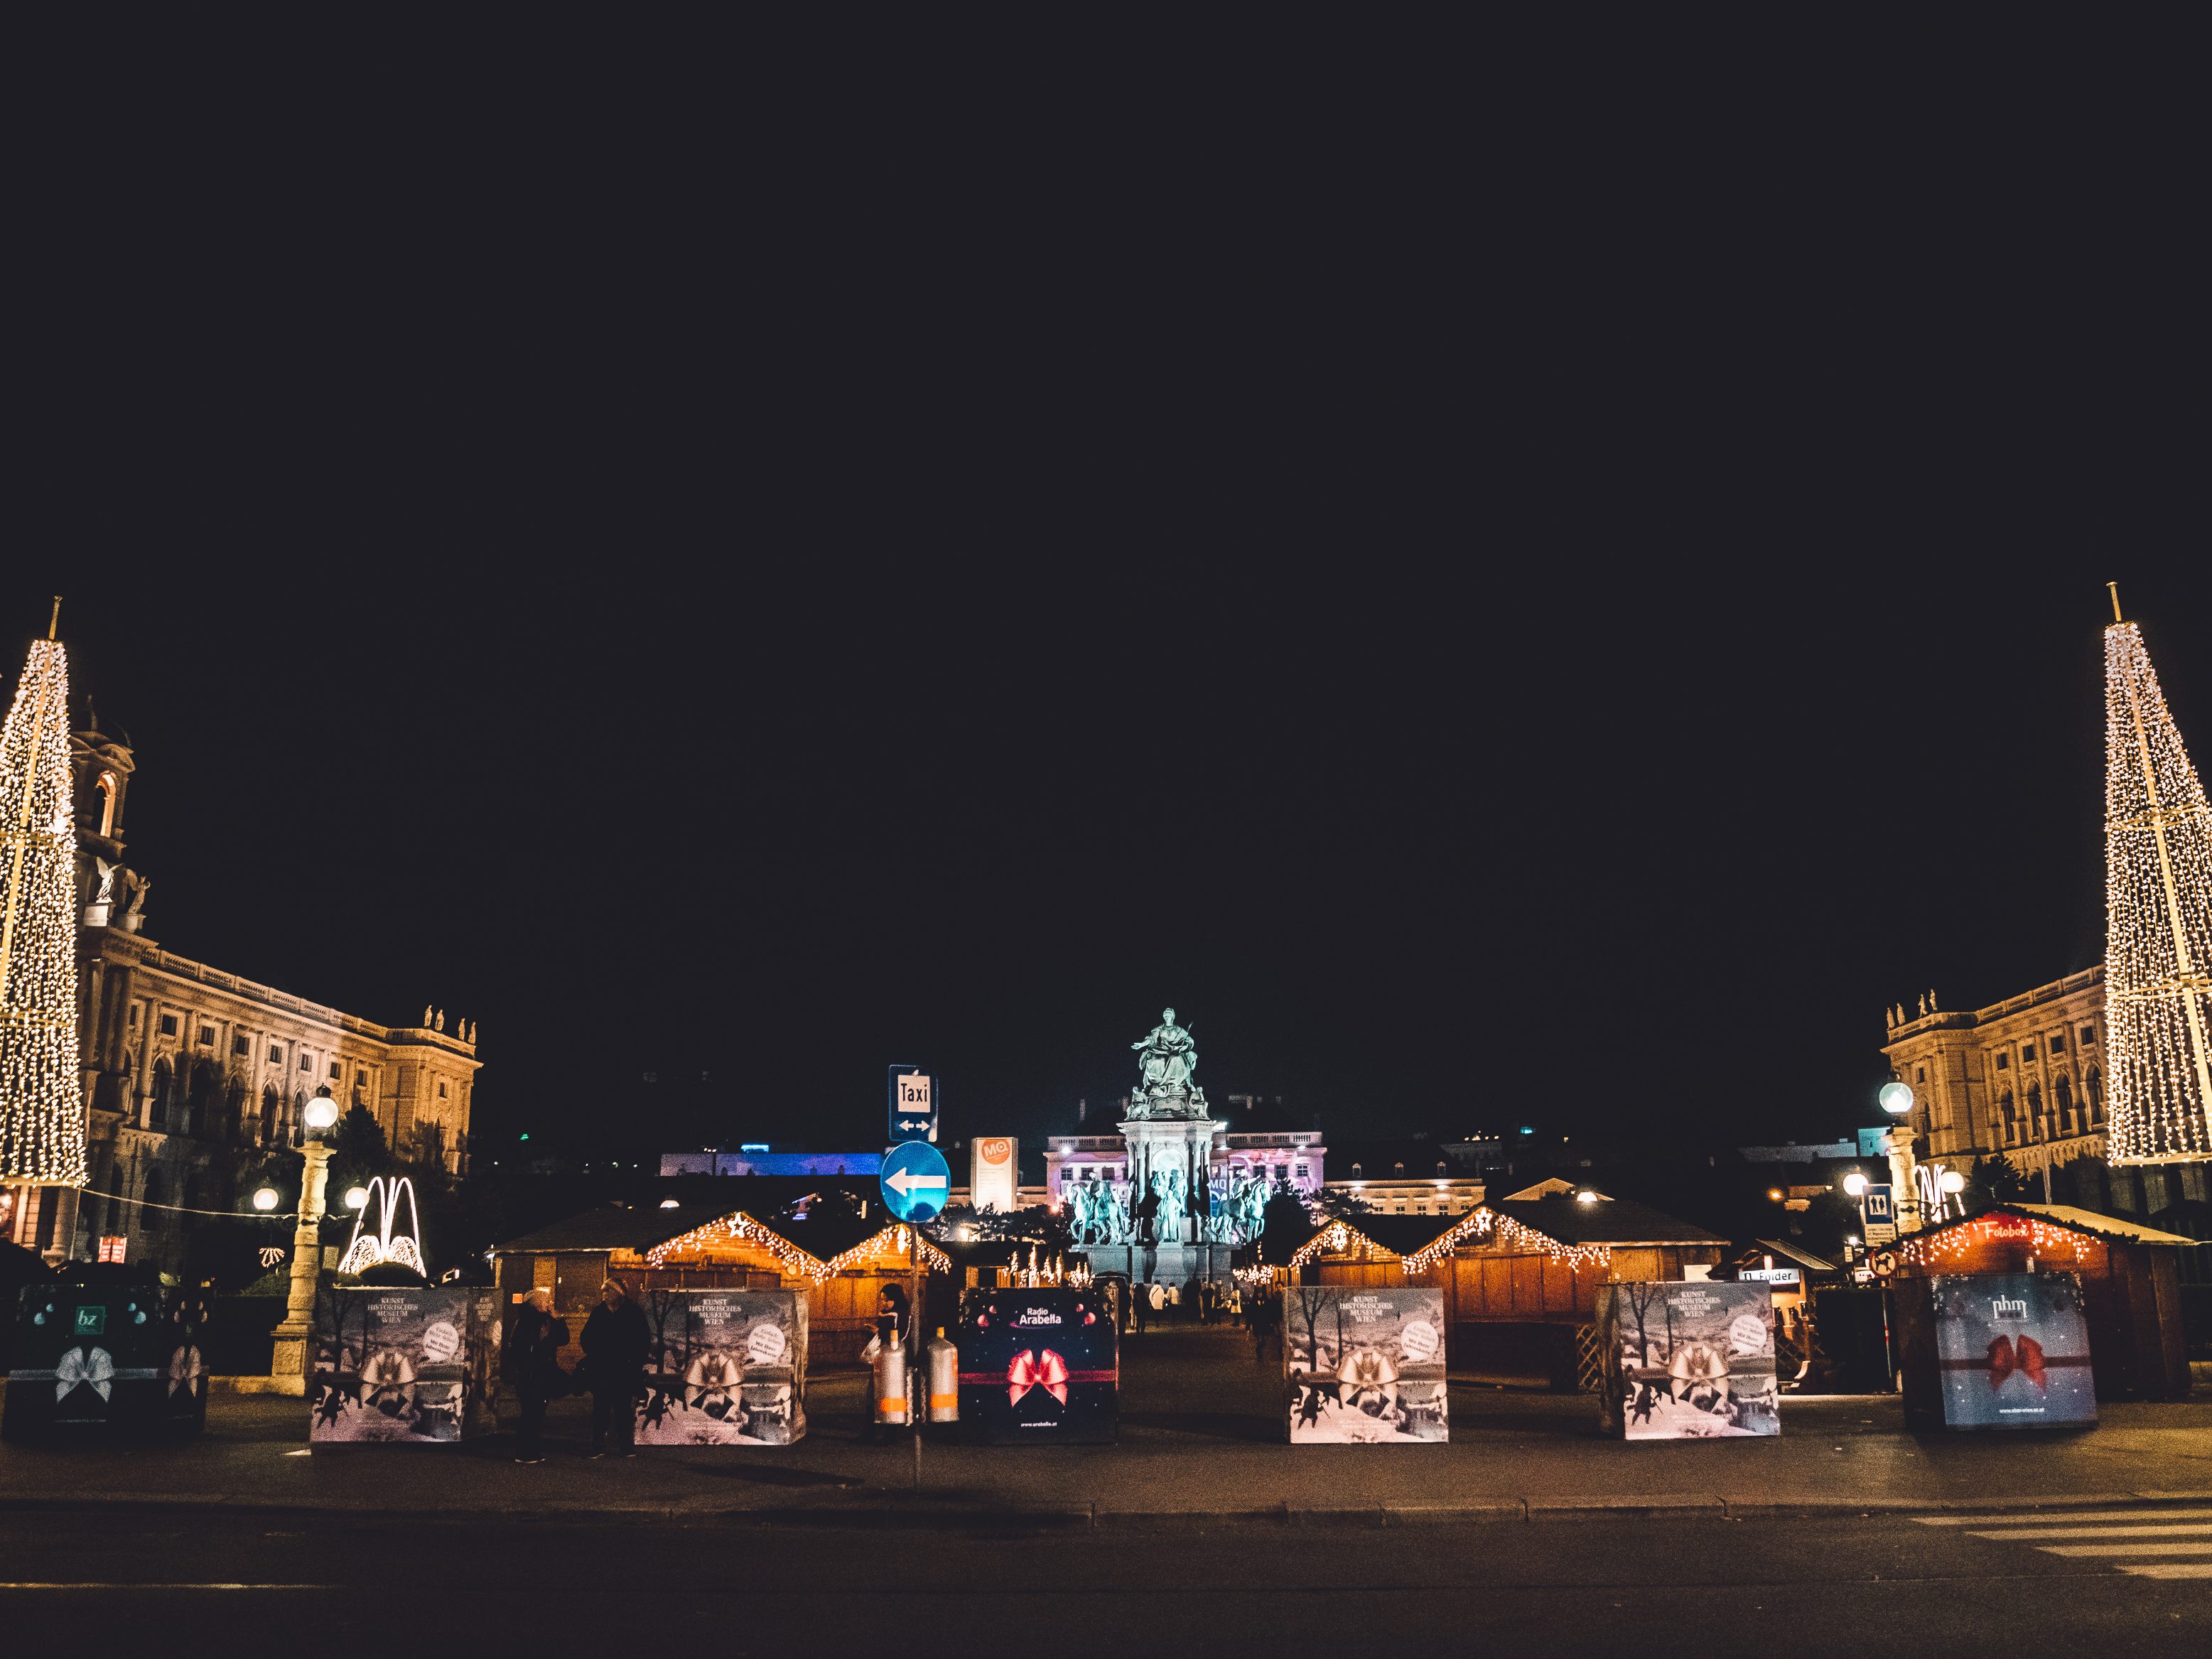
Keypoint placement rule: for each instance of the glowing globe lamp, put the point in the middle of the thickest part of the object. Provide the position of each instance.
(357, 1198)
(1895, 1098)
(322, 1112)
(264, 1198)
(1856, 1183)
(1952, 1181)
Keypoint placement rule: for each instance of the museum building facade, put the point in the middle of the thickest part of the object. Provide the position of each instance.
(193, 1075)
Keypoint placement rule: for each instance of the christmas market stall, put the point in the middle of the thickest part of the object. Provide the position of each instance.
(840, 1249)
(2130, 1302)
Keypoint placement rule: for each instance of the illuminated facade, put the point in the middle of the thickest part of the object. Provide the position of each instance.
(2027, 1078)
(191, 1075)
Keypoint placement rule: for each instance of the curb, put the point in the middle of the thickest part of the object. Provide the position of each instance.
(907, 1516)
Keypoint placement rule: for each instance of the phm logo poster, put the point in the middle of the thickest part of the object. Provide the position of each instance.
(1038, 1367)
(1688, 1359)
(726, 1367)
(1365, 1367)
(2012, 1350)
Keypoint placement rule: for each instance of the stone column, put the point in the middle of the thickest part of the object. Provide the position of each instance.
(288, 1370)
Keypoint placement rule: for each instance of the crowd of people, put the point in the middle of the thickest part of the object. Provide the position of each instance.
(1210, 1304)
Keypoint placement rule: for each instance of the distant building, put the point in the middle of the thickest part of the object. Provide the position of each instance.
(761, 1161)
(1410, 1177)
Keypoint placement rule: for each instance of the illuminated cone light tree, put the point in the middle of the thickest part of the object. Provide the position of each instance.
(41, 1111)
(2158, 919)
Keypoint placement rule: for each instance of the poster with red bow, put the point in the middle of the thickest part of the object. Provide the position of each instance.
(1365, 1367)
(2012, 1350)
(1038, 1367)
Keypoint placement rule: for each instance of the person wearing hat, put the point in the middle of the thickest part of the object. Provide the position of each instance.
(616, 1341)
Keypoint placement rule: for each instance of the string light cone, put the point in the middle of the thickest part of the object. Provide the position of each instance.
(2158, 919)
(41, 1107)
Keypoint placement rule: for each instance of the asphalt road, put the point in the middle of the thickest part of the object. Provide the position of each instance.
(200, 1581)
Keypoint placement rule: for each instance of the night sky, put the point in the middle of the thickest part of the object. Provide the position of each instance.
(1570, 668)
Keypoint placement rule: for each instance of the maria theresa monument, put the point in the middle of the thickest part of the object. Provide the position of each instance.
(1177, 1216)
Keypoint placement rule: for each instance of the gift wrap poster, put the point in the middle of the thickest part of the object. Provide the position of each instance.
(1690, 1360)
(1365, 1367)
(726, 1367)
(2014, 1350)
(409, 1363)
(1038, 1366)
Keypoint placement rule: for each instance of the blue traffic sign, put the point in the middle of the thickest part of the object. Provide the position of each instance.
(1877, 1204)
(916, 1180)
(913, 1104)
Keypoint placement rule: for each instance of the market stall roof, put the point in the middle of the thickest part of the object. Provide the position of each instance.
(612, 1227)
(1608, 1221)
(1790, 1252)
(2111, 1228)
(1342, 1234)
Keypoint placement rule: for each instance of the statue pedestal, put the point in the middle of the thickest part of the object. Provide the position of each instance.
(1181, 1265)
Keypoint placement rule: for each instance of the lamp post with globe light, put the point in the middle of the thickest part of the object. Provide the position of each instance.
(288, 1369)
(1896, 1099)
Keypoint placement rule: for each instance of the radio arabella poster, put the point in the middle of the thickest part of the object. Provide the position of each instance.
(1688, 1359)
(1365, 1367)
(1038, 1366)
(726, 1367)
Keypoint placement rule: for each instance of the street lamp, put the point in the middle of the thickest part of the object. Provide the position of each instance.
(1856, 1183)
(289, 1365)
(1951, 1182)
(265, 1199)
(357, 1198)
(1895, 1098)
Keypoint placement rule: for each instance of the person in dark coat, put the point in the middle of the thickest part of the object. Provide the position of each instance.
(616, 1342)
(532, 1364)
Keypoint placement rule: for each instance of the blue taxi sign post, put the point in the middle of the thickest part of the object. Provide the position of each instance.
(916, 1180)
(913, 1104)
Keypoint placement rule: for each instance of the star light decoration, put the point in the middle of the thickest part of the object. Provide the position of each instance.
(743, 1229)
(2158, 920)
(42, 1106)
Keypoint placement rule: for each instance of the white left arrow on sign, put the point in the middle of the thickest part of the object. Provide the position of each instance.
(904, 1183)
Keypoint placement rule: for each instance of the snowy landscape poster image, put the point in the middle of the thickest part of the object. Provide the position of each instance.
(1689, 1359)
(726, 1367)
(394, 1365)
(1365, 1367)
(2012, 1350)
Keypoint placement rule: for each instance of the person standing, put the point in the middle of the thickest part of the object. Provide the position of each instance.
(532, 1364)
(616, 1343)
(1140, 1307)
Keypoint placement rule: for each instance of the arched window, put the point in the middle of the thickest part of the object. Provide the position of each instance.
(270, 1105)
(153, 1194)
(2036, 1126)
(2008, 1118)
(200, 1097)
(2095, 1084)
(2061, 1094)
(299, 1114)
(103, 803)
(157, 1113)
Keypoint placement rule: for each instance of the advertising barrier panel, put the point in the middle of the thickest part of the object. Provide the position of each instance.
(2012, 1350)
(1688, 1359)
(726, 1367)
(408, 1364)
(98, 1357)
(1038, 1367)
(1365, 1367)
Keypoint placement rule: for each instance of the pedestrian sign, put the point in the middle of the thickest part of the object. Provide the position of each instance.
(913, 1104)
(916, 1181)
(1878, 1212)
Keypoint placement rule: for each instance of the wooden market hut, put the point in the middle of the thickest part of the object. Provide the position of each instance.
(2131, 1284)
(1520, 1277)
(842, 1258)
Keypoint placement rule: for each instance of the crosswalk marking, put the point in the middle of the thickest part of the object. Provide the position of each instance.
(2029, 1534)
(2148, 1543)
(2066, 1515)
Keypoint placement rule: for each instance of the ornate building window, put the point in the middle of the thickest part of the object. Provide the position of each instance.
(2007, 1119)
(2095, 1085)
(270, 1104)
(2062, 1090)
(157, 1107)
(2038, 1127)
